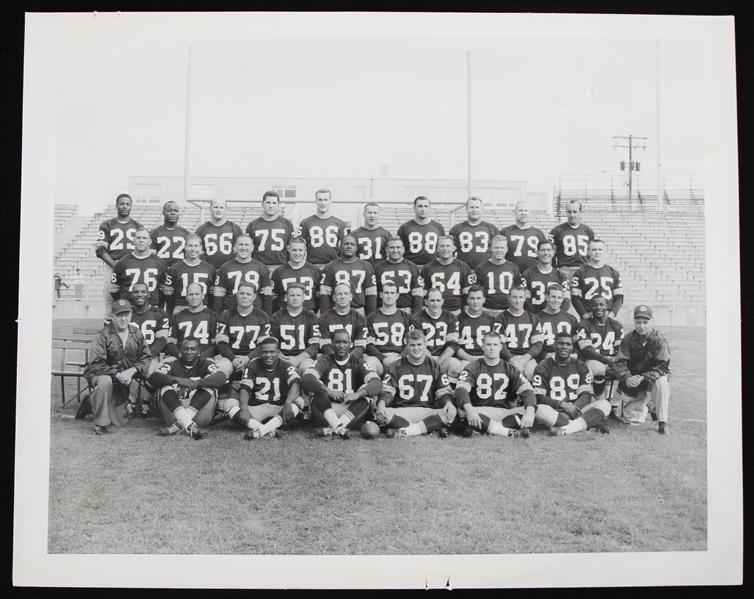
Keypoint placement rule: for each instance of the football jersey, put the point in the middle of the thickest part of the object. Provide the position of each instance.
(295, 333)
(130, 269)
(416, 386)
(562, 381)
(604, 338)
(353, 322)
(522, 245)
(308, 275)
(452, 279)
(420, 241)
(571, 244)
(177, 368)
(406, 275)
(322, 236)
(438, 332)
(387, 332)
(201, 326)
(372, 244)
(359, 274)
(240, 332)
(552, 324)
(589, 282)
(498, 386)
(346, 376)
(116, 238)
(537, 283)
(497, 280)
(169, 243)
(473, 241)
(268, 386)
(181, 275)
(154, 324)
(472, 329)
(522, 334)
(270, 239)
(232, 273)
(218, 241)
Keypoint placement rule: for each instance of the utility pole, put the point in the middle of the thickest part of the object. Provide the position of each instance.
(632, 166)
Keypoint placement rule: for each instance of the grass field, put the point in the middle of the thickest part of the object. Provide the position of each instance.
(631, 490)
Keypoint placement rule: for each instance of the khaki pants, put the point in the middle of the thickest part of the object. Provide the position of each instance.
(634, 410)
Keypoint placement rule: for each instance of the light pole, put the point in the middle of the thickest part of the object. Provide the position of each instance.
(632, 166)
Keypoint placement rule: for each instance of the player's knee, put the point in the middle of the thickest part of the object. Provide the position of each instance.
(375, 364)
(304, 365)
(598, 368)
(603, 406)
(322, 402)
(546, 415)
(225, 365)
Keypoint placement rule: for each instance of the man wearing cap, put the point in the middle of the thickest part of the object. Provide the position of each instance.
(119, 353)
(643, 369)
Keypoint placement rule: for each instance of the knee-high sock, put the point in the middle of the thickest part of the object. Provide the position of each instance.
(429, 424)
(356, 410)
(493, 427)
(276, 421)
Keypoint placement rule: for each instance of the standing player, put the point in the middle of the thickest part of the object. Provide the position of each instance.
(114, 241)
(386, 331)
(492, 396)
(522, 333)
(347, 381)
(342, 316)
(596, 278)
(553, 320)
(169, 239)
(218, 235)
(571, 240)
(473, 324)
(192, 269)
(297, 329)
(242, 268)
(440, 328)
(297, 270)
(322, 231)
(270, 233)
(539, 278)
(497, 276)
(449, 275)
(420, 234)
(419, 392)
(405, 274)
(523, 239)
(371, 238)
(472, 237)
(357, 273)
(140, 266)
(565, 398)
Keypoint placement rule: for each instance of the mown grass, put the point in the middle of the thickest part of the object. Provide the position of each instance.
(631, 490)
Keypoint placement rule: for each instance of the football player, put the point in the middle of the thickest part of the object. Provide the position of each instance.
(169, 239)
(192, 269)
(596, 278)
(553, 320)
(270, 233)
(242, 268)
(565, 398)
(416, 397)
(492, 396)
(472, 237)
(405, 274)
(341, 384)
(140, 266)
(496, 275)
(322, 231)
(353, 271)
(643, 369)
(473, 324)
(420, 234)
(386, 331)
(539, 278)
(188, 391)
(218, 235)
(571, 240)
(114, 241)
(371, 238)
(449, 275)
(523, 239)
(521, 332)
(297, 329)
(440, 328)
(297, 270)
(342, 316)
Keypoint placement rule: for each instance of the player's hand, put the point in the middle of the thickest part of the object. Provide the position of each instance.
(350, 396)
(634, 381)
(380, 415)
(287, 413)
(240, 362)
(472, 416)
(570, 409)
(336, 395)
(451, 411)
(609, 361)
(528, 419)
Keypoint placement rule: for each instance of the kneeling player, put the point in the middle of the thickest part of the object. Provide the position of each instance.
(419, 391)
(565, 397)
(493, 396)
(189, 391)
(333, 378)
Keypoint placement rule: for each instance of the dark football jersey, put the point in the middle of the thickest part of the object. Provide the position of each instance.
(181, 275)
(232, 273)
(416, 386)
(497, 280)
(571, 244)
(496, 386)
(438, 332)
(322, 236)
(589, 282)
(387, 332)
(177, 368)
(537, 283)
(406, 275)
(552, 324)
(242, 333)
(268, 386)
(295, 333)
(129, 270)
(452, 279)
(522, 334)
(353, 322)
(218, 241)
(420, 241)
(154, 324)
(473, 241)
(169, 243)
(347, 376)
(270, 239)
(372, 244)
(308, 275)
(604, 338)
(116, 238)
(522, 245)
(359, 274)
(472, 330)
(201, 326)
(562, 382)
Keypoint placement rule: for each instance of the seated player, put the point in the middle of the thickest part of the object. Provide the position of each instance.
(297, 270)
(497, 276)
(188, 391)
(598, 338)
(473, 323)
(448, 274)
(341, 384)
(192, 269)
(297, 329)
(416, 397)
(386, 331)
(440, 328)
(342, 316)
(359, 274)
(540, 277)
(521, 332)
(565, 398)
(492, 396)
(596, 278)
(242, 268)
(552, 320)
(403, 273)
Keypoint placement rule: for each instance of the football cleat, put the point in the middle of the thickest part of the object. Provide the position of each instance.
(169, 431)
(602, 428)
(402, 432)
(661, 428)
(145, 411)
(252, 433)
(100, 430)
(276, 434)
(522, 433)
(325, 431)
(195, 432)
(130, 410)
(343, 432)
(556, 431)
(442, 433)
(467, 431)
(389, 433)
